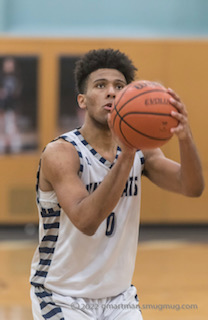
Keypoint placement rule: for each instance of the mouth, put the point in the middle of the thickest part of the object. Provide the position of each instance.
(108, 106)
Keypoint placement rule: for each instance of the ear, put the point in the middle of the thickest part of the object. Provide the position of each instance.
(81, 101)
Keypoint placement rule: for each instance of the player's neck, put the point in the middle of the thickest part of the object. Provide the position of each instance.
(101, 140)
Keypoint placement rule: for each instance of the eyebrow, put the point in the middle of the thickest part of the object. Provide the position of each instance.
(103, 79)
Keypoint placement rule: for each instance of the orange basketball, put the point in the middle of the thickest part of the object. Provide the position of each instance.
(141, 115)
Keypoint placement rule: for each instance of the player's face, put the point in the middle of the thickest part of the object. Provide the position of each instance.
(102, 87)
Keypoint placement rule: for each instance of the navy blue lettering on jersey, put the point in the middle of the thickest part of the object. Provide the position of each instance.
(110, 224)
(131, 187)
(92, 186)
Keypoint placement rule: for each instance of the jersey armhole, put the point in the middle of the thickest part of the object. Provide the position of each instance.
(66, 138)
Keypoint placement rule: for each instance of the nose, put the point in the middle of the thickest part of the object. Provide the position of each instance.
(111, 92)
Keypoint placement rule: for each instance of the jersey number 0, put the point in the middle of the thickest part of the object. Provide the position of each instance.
(110, 224)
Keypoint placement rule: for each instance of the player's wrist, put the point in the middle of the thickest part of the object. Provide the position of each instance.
(127, 154)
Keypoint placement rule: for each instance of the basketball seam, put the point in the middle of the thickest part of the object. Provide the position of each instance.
(150, 113)
(144, 134)
(138, 95)
(127, 87)
(124, 135)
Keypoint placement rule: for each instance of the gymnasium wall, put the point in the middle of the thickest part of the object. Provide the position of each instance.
(182, 65)
(167, 40)
(93, 18)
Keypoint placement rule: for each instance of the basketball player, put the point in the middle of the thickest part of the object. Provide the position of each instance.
(88, 196)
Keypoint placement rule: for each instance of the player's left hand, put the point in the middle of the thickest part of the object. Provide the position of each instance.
(183, 130)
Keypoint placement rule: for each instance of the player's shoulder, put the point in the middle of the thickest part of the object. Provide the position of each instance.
(152, 158)
(151, 153)
(58, 145)
(58, 160)
(59, 151)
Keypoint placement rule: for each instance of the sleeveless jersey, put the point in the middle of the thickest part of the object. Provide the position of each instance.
(71, 263)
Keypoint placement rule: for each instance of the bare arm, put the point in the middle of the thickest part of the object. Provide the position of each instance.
(185, 177)
(60, 166)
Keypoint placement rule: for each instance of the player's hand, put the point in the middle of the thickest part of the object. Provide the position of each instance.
(125, 149)
(183, 130)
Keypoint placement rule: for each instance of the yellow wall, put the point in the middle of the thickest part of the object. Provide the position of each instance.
(182, 65)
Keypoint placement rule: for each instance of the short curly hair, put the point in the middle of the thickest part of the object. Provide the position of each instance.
(99, 59)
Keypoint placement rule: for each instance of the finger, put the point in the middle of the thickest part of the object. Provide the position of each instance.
(179, 116)
(173, 94)
(179, 106)
(177, 129)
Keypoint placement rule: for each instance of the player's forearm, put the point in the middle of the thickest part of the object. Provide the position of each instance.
(93, 209)
(191, 174)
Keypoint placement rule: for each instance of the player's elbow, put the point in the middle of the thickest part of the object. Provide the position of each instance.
(88, 221)
(87, 227)
(196, 191)
(83, 220)
(88, 230)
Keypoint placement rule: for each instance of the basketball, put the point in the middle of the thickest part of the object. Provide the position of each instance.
(141, 115)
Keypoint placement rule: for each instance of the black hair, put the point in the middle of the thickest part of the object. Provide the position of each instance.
(99, 59)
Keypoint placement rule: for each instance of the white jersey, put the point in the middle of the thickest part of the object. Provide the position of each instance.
(71, 263)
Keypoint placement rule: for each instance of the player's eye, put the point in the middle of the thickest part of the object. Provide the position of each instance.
(119, 86)
(100, 85)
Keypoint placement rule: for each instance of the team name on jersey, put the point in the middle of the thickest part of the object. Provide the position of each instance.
(131, 188)
(92, 186)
